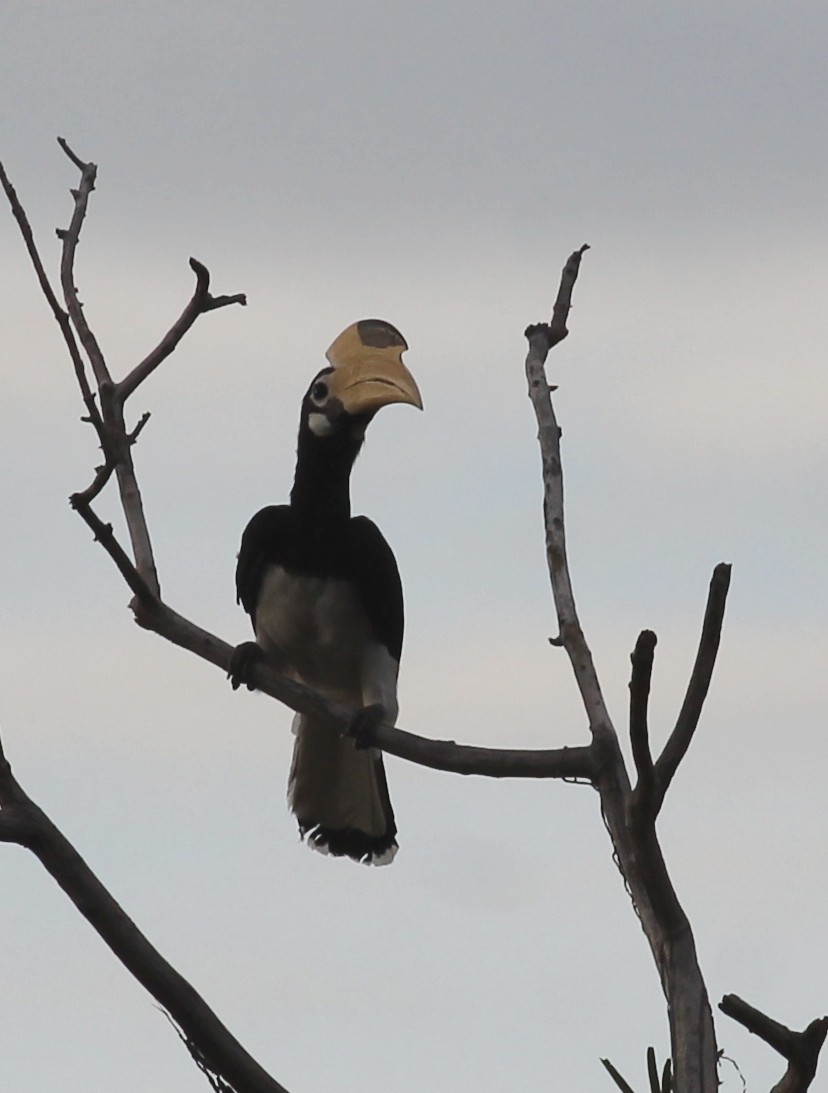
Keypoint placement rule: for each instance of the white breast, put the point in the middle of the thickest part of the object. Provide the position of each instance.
(318, 626)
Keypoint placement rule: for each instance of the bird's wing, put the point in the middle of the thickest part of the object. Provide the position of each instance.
(266, 541)
(373, 569)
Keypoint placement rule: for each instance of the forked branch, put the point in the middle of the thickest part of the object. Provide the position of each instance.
(801, 1049)
(200, 303)
(629, 815)
(60, 315)
(116, 440)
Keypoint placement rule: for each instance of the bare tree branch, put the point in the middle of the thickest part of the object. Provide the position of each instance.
(201, 301)
(557, 330)
(642, 669)
(801, 1049)
(24, 822)
(136, 432)
(61, 316)
(78, 162)
(569, 763)
(70, 238)
(106, 537)
(541, 338)
(688, 718)
(116, 441)
(631, 825)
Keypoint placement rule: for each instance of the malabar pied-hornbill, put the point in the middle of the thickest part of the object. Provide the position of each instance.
(324, 595)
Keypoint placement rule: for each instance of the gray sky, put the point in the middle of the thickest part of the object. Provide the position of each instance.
(433, 165)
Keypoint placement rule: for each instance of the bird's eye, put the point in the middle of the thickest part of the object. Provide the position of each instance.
(319, 392)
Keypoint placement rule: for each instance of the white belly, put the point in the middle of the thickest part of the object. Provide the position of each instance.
(318, 627)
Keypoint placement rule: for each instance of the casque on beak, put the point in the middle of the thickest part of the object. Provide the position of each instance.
(368, 368)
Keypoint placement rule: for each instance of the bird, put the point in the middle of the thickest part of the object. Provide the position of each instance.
(324, 595)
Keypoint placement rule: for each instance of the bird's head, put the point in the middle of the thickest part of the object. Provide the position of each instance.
(365, 373)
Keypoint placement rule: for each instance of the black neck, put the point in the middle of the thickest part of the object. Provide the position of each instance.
(321, 494)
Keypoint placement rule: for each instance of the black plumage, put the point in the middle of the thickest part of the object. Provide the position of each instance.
(357, 551)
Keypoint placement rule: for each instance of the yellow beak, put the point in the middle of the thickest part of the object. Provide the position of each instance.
(368, 368)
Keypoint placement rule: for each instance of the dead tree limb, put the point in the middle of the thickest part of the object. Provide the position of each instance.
(630, 814)
(25, 823)
(200, 303)
(642, 670)
(801, 1049)
(688, 718)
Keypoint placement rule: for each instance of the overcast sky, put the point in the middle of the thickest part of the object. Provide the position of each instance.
(434, 165)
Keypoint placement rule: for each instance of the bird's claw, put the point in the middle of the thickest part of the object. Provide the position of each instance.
(364, 722)
(241, 662)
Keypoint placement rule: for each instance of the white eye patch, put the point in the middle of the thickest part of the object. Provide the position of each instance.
(320, 424)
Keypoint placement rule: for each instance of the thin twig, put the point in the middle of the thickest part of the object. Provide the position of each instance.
(70, 238)
(200, 302)
(642, 669)
(563, 301)
(216, 1082)
(78, 162)
(214, 302)
(136, 432)
(106, 537)
(688, 718)
(61, 316)
(102, 475)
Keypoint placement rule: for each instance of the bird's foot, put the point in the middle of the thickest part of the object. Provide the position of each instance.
(241, 662)
(363, 724)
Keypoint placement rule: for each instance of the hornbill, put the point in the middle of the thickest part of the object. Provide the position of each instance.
(324, 595)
